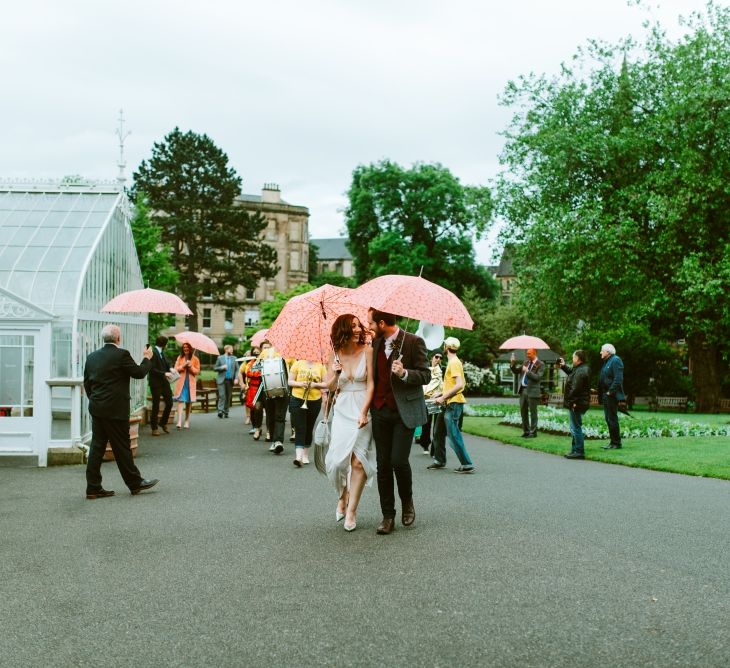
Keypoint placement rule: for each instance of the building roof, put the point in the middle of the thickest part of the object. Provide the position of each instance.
(332, 249)
(48, 232)
(505, 264)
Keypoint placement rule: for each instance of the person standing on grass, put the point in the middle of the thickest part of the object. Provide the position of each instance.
(577, 399)
(611, 391)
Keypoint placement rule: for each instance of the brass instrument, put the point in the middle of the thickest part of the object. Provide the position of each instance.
(306, 391)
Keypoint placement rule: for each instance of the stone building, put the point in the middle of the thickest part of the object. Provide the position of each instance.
(288, 233)
(333, 256)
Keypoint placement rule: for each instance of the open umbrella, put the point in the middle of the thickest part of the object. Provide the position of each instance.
(258, 337)
(302, 329)
(414, 297)
(147, 300)
(523, 342)
(198, 341)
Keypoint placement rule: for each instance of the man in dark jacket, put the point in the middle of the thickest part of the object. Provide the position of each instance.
(529, 375)
(611, 391)
(160, 386)
(577, 399)
(400, 370)
(106, 382)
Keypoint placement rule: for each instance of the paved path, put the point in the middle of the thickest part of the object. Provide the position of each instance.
(235, 559)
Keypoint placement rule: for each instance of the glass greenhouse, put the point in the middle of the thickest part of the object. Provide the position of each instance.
(65, 250)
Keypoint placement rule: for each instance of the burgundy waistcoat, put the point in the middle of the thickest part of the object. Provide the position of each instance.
(383, 390)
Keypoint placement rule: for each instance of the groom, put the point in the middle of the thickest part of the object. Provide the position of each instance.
(400, 369)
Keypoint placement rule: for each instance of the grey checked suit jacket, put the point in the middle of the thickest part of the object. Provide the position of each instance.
(408, 394)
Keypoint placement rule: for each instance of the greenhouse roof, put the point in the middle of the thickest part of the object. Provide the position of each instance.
(47, 234)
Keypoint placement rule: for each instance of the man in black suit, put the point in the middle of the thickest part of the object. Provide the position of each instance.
(159, 379)
(106, 382)
(400, 370)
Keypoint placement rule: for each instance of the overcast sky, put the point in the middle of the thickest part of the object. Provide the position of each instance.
(296, 92)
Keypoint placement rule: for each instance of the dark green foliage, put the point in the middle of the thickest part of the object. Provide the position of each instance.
(615, 189)
(417, 221)
(190, 191)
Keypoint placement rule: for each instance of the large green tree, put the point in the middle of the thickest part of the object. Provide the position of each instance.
(216, 245)
(401, 220)
(615, 190)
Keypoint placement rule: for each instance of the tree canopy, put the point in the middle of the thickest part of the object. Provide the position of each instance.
(615, 190)
(401, 220)
(191, 192)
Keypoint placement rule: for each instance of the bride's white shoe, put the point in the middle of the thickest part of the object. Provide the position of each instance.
(339, 516)
(350, 527)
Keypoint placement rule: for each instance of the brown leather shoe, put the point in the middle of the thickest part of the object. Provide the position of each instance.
(155, 432)
(165, 429)
(386, 526)
(100, 494)
(408, 516)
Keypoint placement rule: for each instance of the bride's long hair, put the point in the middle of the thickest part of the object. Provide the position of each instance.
(342, 331)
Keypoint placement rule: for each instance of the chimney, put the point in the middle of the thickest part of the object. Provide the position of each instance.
(271, 193)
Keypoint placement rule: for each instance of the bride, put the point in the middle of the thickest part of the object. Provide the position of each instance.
(350, 459)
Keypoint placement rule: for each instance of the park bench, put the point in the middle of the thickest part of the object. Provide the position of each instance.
(723, 405)
(668, 403)
(555, 399)
(204, 390)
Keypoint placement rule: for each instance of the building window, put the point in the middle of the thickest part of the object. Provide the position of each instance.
(294, 261)
(206, 318)
(271, 231)
(293, 231)
(16, 375)
(251, 293)
(207, 292)
(251, 316)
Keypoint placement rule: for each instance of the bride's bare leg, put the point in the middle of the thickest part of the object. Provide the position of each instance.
(357, 484)
(342, 502)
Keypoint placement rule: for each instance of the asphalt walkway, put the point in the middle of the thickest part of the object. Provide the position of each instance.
(235, 559)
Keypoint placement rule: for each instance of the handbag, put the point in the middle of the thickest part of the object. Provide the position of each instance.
(174, 375)
(321, 437)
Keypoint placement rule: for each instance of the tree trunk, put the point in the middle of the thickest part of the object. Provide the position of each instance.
(193, 319)
(705, 367)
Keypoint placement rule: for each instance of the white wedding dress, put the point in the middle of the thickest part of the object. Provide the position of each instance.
(346, 439)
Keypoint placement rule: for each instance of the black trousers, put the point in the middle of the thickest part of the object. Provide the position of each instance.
(303, 420)
(425, 440)
(392, 449)
(276, 416)
(528, 410)
(158, 392)
(116, 432)
(438, 444)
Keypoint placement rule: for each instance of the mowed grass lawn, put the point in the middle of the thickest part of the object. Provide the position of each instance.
(700, 456)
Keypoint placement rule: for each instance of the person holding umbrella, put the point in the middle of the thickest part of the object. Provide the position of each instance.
(188, 366)
(529, 374)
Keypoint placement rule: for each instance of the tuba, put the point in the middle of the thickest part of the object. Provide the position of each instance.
(432, 335)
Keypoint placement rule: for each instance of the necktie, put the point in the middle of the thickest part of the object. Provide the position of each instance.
(524, 378)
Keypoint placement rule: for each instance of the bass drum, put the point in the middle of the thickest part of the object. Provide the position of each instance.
(274, 378)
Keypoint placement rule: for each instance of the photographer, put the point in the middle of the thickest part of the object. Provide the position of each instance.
(577, 399)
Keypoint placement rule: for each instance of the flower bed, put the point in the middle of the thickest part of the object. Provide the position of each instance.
(555, 421)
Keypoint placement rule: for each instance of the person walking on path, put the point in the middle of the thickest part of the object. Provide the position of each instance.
(307, 382)
(400, 370)
(188, 366)
(227, 367)
(350, 462)
(529, 374)
(611, 391)
(431, 391)
(453, 399)
(275, 407)
(577, 399)
(159, 379)
(106, 382)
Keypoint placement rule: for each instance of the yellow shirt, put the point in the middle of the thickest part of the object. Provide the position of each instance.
(454, 369)
(305, 371)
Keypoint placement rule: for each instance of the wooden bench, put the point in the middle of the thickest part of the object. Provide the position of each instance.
(723, 406)
(555, 399)
(668, 403)
(204, 390)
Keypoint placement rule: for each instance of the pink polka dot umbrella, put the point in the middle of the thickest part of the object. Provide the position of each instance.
(414, 297)
(302, 329)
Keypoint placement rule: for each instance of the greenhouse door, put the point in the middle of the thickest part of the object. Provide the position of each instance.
(23, 424)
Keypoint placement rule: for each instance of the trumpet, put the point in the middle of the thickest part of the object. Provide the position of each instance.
(306, 392)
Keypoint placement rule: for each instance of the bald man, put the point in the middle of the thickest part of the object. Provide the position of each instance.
(529, 376)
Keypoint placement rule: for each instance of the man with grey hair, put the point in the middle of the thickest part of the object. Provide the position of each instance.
(611, 391)
(106, 382)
